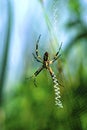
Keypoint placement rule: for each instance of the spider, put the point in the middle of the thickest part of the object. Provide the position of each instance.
(45, 60)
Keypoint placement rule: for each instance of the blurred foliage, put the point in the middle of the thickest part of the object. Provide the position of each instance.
(27, 107)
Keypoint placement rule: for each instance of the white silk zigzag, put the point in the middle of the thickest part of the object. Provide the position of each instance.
(57, 91)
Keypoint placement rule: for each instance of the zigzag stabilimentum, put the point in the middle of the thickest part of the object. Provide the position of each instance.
(57, 91)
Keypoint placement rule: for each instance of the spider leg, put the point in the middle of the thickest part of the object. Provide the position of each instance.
(37, 47)
(35, 82)
(38, 71)
(28, 78)
(56, 55)
(50, 70)
(35, 74)
(37, 44)
(52, 75)
(38, 60)
(54, 59)
(59, 49)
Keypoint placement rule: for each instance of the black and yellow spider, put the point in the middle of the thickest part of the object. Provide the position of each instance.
(45, 61)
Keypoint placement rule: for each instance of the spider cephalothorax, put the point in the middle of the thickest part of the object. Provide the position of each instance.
(46, 60)
(45, 57)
